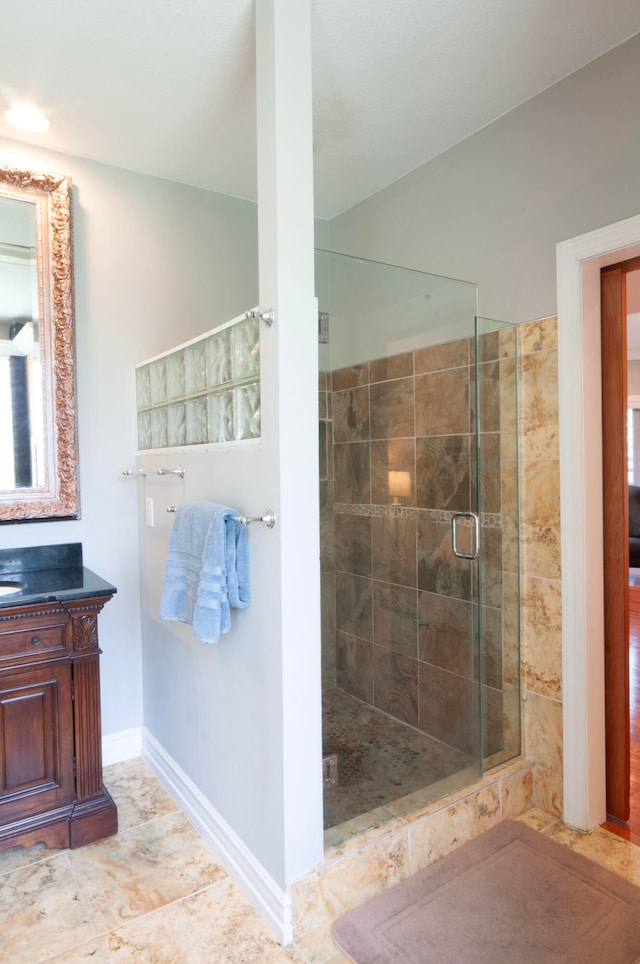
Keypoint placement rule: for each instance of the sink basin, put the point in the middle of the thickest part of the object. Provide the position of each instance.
(7, 588)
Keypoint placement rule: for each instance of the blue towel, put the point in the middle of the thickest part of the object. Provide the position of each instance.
(207, 569)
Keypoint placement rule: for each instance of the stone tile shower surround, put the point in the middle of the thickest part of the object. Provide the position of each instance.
(540, 564)
(397, 458)
(410, 836)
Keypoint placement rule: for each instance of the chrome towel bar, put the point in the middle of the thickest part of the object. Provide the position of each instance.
(269, 517)
(268, 315)
(144, 472)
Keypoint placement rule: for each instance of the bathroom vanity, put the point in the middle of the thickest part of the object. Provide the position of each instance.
(51, 786)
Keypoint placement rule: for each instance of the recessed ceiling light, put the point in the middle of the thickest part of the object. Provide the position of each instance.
(27, 118)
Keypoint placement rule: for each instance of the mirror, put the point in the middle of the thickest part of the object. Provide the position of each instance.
(38, 433)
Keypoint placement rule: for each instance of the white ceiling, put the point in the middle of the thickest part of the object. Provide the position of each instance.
(166, 87)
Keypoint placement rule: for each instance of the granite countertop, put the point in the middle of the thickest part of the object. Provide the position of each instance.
(48, 574)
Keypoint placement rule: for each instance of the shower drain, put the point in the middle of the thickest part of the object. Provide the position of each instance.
(330, 770)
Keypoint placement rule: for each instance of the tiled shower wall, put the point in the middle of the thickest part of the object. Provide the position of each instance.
(540, 569)
(397, 458)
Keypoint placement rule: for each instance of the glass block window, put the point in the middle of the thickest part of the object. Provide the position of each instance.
(205, 391)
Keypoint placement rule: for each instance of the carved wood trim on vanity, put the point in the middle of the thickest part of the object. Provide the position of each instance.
(86, 698)
(54, 643)
(27, 611)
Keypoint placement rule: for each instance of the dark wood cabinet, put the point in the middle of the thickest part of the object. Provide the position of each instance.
(51, 786)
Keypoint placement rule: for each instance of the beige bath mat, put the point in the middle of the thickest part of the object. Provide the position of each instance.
(512, 896)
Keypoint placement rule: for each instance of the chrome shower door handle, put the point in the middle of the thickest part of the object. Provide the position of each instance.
(476, 534)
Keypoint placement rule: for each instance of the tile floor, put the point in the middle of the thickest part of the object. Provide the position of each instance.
(156, 893)
(153, 893)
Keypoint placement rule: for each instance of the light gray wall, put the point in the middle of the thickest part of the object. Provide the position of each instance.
(156, 263)
(492, 209)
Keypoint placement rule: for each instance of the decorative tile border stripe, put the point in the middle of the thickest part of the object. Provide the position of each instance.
(489, 520)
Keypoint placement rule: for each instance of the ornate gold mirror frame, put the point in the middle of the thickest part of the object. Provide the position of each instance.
(56, 493)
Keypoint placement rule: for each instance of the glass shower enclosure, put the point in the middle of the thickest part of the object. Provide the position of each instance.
(418, 496)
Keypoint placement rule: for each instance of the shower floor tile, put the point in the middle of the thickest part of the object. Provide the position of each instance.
(379, 759)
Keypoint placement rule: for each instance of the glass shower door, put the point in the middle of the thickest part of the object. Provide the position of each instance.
(449, 560)
(402, 662)
(498, 602)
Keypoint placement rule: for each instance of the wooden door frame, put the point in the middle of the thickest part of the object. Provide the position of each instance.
(615, 513)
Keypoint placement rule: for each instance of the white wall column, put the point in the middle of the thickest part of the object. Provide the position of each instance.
(289, 366)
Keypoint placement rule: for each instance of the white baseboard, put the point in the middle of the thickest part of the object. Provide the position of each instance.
(121, 746)
(265, 895)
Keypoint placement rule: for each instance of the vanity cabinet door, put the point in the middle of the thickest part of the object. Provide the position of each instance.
(36, 739)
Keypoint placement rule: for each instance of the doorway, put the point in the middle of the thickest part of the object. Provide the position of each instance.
(630, 829)
(620, 362)
(579, 261)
